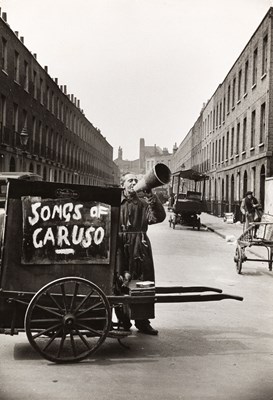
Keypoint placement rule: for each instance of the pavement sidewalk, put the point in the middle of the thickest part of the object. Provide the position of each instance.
(221, 228)
(229, 232)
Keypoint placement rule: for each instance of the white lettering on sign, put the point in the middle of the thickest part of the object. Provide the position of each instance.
(66, 212)
(65, 251)
(98, 211)
(65, 236)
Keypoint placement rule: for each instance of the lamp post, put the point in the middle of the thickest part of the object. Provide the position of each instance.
(24, 141)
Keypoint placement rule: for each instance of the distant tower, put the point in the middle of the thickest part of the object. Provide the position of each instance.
(120, 153)
(141, 155)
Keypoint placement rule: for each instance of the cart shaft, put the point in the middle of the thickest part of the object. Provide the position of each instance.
(171, 299)
(185, 289)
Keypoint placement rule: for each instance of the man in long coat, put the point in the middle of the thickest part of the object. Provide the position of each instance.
(134, 255)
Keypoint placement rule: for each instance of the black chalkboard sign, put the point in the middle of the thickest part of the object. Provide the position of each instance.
(65, 231)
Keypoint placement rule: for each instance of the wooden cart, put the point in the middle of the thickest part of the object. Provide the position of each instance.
(258, 235)
(57, 276)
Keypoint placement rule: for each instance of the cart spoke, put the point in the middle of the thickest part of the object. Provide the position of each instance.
(73, 301)
(48, 310)
(45, 331)
(52, 339)
(92, 308)
(63, 294)
(72, 341)
(92, 318)
(61, 345)
(55, 301)
(45, 320)
(84, 300)
(82, 338)
(96, 333)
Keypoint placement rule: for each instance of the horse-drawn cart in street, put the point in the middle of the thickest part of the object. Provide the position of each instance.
(58, 269)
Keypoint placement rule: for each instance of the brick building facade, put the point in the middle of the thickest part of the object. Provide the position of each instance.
(232, 139)
(62, 144)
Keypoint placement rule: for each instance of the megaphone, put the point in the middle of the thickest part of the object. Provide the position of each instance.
(159, 175)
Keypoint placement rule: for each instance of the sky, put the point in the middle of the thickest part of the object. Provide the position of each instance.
(140, 68)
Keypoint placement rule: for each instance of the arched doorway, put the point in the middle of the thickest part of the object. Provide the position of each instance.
(227, 193)
(223, 203)
(31, 168)
(262, 185)
(215, 197)
(209, 204)
(232, 190)
(44, 174)
(12, 165)
(245, 184)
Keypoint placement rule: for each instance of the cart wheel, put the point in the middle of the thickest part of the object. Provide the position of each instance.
(68, 319)
(238, 259)
(270, 259)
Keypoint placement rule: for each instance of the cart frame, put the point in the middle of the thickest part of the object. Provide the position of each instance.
(63, 300)
(259, 235)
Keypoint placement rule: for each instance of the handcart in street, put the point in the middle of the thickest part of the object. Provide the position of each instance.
(258, 235)
(58, 270)
(188, 198)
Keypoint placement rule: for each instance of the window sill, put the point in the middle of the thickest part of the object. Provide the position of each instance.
(253, 86)
(245, 94)
(243, 152)
(227, 112)
(263, 76)
(232, 108)
(236, 155)
(261, 144)
(252, 148)
(239, 101)
(5, 72)
(231, 158)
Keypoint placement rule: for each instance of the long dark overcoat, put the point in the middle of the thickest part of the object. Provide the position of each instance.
(134, 254)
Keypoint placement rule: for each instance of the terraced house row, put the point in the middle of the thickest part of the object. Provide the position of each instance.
(232, 139)
(42, 128)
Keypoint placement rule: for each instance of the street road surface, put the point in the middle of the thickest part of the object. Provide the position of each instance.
(204, 351)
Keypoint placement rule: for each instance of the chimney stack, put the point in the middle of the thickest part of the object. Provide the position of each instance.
(16, 33)
(22, 39)
(4, 16)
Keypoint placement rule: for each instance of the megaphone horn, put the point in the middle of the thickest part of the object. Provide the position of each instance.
(159, 175)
